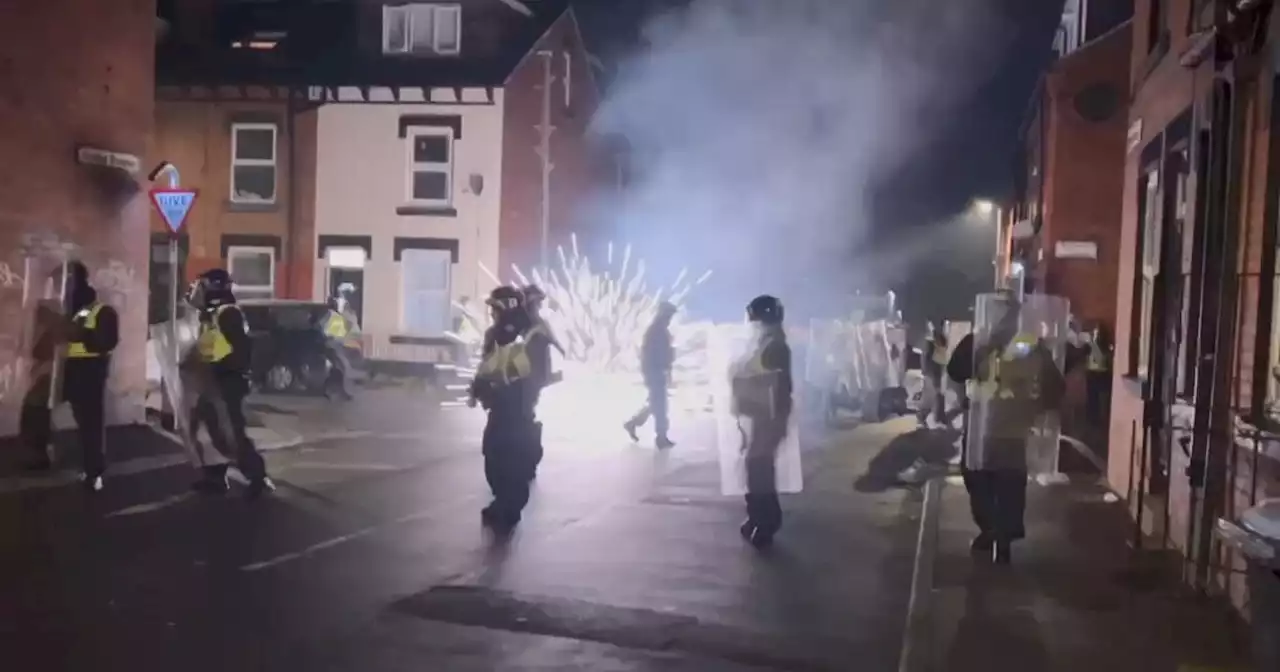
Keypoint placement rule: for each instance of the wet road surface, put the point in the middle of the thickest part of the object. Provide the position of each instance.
(371, 557)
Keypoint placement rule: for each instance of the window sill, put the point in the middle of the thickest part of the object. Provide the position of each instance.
(235, 206)
(400, 339)
(426, 211)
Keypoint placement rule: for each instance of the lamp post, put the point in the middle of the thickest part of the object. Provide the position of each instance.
(990, 212)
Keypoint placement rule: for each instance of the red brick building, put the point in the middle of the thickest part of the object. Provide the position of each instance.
(1195, 349)
(92, 92)
(1076, 160)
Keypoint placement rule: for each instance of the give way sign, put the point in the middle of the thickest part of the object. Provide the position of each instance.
(173, 206)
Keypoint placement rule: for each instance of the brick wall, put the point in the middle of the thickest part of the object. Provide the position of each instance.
(75, 72)
(579, 169)
(1084, 178)
(196, 137)
(1163, 90)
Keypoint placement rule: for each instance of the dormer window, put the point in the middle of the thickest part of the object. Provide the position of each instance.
(422, 28)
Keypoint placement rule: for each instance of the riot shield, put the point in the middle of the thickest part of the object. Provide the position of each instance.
(727, 346)
(1008, 426)
(43, 325)
(184, 380)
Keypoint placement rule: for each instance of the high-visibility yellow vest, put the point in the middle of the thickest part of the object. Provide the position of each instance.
(506, 364)
(335, 326)
(87, 318)
(212, 344)
(1097, 358)
(754, 384)
(1011, 372)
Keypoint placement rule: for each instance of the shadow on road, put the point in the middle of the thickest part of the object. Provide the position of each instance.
(931, 447)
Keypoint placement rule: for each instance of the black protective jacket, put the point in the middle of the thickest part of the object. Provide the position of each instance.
(89, 374)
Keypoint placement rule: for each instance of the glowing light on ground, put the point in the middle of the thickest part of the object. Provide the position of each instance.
(599, 316)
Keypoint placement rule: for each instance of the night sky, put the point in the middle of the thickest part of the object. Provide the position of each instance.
(969, 156)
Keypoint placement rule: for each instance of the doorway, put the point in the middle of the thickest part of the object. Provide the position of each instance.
(354, 277)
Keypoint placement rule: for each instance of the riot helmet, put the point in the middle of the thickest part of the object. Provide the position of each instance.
(505, 300)
(211, 289)
(765, 309)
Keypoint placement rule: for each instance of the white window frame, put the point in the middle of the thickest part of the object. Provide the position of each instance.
(440, 13)
(413, 167)
(272, 162)
(405, 291)
(270, 288)
(1148, 266)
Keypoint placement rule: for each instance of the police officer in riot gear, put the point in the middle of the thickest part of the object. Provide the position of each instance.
(507, 383)
(224, 346)
(656, 360)
(762, 389)
(933, 365)
(91, 333)
(338, 327)
(1016, 381)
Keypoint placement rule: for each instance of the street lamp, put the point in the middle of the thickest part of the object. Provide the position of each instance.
(984, 207)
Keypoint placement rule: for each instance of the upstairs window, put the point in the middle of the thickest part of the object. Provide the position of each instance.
(430, 178)
(422, 28)
(253, 163)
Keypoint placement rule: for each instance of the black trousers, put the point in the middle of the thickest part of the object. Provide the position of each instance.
(1097, 385)
(340, 372)
(657, 406)
(764, 511)
(511, 448)
(87, 398)
(225, 420)
(998, 501)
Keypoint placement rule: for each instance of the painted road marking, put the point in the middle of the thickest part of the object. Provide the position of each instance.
(340, 466)
(336, 541)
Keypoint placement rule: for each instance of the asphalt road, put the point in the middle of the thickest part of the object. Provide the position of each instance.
(371, 557)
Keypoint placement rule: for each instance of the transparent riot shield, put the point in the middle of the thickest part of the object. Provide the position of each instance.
(185, 381)
(1008, 424)
(44, 324)
(729, 345)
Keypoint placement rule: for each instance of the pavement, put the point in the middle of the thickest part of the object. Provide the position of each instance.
(370, 556)
(1075, 597)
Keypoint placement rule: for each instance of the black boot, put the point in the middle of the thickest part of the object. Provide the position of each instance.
(259, 487)
(981, 546)
(1003, 554)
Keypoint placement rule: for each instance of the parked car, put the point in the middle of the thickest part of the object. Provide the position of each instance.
(289, 345)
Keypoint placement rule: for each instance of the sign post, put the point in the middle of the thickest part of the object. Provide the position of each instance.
(174, 204)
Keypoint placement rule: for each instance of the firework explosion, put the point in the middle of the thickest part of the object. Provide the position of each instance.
(599, 318)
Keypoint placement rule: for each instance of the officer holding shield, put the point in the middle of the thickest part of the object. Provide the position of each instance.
(1015, 383)
(761, 393)
(89, 335)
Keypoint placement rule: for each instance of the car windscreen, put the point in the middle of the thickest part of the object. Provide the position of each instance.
(283, 318)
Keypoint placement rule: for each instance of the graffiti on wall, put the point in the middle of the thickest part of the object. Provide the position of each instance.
(117, 284)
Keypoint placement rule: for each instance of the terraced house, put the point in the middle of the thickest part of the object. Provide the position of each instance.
(399, 147)
(1195, 385)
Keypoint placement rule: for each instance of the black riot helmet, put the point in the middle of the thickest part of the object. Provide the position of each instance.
(212, 288)
(505, 299)
(765, 309)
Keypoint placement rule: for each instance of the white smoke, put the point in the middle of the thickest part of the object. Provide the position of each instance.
(760, 129)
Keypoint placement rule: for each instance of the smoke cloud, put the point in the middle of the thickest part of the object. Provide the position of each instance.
(760, 131)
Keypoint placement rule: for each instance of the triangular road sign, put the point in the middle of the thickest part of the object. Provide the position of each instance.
(173, 205)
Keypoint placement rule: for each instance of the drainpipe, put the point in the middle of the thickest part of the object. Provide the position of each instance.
(544, 152)
(1213, 438)
(291, 185)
